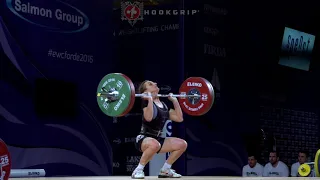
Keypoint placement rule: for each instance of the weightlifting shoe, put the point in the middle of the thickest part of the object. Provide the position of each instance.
(168, 173)
(137, 174)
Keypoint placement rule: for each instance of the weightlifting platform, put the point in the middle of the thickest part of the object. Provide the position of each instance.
(155, 177)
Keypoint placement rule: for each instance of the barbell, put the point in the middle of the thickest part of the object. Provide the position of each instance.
(116, 95)
(5, 166)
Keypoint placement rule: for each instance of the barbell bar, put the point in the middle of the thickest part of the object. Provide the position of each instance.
(116, 95)
(6, 170)
(173, 95)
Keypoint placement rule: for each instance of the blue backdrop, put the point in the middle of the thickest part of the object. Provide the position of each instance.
(80, 42)
(38, 43)
(63, 40)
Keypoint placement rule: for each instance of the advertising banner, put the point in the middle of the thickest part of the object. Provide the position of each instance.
(55, 41)
(296, 49)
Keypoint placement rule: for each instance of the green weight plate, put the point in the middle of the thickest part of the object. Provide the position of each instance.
(120, 83)
(133, 96)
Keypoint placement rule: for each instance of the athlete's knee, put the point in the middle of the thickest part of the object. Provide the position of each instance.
(182, 144)
(154, 145)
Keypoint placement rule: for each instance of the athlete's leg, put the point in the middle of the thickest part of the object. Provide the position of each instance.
(149, 147)
(176, 147)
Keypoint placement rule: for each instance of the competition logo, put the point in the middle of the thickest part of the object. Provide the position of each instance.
(132, 12)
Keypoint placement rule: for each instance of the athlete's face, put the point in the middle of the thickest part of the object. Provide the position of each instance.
(151, 87)
(252, 161)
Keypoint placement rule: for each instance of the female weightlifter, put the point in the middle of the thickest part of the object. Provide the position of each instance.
(149, 141)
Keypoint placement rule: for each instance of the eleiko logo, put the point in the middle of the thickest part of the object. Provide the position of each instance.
(129, 140)
(33, 173)
(65, 19)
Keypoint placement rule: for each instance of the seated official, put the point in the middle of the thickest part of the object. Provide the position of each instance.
(302, 158)
(275, 167)
(253, 168)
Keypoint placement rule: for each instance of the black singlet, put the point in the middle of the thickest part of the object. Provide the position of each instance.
(154, 127)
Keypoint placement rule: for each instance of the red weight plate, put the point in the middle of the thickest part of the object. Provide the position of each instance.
(132, 97)
(196, 106)
(5, 161)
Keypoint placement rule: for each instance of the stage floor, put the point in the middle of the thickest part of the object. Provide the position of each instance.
(155, 177)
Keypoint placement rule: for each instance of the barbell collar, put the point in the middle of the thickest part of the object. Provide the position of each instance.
(110, 95)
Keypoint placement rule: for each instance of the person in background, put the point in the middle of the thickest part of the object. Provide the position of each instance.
(253, 168)
(275, 167)
(302, 158)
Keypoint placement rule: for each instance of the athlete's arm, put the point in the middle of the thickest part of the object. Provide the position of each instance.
(176, 113)
(148, 110)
